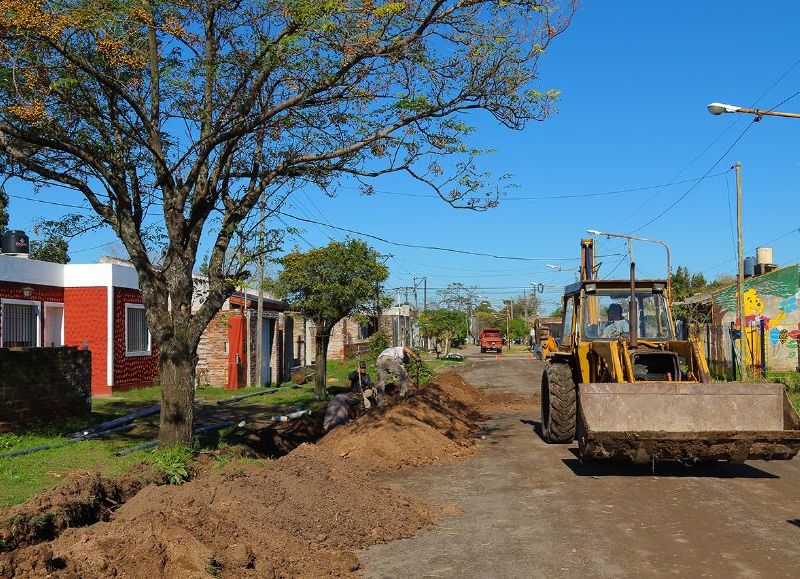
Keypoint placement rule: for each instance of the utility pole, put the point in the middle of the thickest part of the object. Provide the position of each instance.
(525, 297)
(508, 325)
(260, 303)
(248, 337)
(425, 293)
(743, 372)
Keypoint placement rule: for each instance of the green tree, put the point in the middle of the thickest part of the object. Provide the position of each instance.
(557, 313)
(516, 328)
(198, 111)
(53, 249)
(457, 296)
(684, 285)
(327, 284)
(485, 316)
(443, 326)
(527, 302)
(722, 280)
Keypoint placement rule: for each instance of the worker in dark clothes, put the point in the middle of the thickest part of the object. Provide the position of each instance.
(343, 407)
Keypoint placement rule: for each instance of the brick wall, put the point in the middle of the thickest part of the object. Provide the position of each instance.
(44, 385)
(130, 371)
(345, 340)
(299, 344)
(85, 320)
(39, 293)
(212, 366)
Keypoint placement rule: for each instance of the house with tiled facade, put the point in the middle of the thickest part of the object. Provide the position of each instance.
(89, 306)
(99, 307)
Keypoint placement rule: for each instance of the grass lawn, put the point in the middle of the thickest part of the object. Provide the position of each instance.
(23, 476)
(792, 382)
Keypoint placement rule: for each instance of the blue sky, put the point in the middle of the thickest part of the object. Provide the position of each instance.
(635, 79)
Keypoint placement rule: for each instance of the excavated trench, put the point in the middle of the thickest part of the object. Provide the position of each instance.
(311, 511)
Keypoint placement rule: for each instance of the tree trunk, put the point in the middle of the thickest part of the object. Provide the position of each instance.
(177, 366)
(447, 339)
(321, 374)
(176, 334)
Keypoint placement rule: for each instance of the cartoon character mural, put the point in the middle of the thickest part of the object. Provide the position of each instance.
(782, 340)
(753, 314)
(775, 299)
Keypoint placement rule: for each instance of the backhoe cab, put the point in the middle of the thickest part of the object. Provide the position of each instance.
(627, 389)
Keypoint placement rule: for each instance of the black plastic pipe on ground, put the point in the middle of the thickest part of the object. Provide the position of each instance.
(202, 429)
(23, 451)
(149, 411)
(250, 395)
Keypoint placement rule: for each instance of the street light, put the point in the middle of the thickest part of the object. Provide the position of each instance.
(722, 108)
(565, 268)
(538, 287)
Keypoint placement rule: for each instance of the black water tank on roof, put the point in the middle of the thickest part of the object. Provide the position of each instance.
(15, 242)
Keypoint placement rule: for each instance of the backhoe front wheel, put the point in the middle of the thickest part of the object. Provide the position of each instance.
(559, 403)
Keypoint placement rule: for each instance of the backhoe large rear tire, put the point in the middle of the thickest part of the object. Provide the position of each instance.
(559, 403)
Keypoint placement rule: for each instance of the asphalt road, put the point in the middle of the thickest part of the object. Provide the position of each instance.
(526, 508)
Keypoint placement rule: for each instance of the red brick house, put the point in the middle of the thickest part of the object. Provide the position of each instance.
(92, 306)
(227, 349)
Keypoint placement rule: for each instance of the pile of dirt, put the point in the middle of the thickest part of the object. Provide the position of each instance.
(82, 500)
(434, 423)
(300, 515)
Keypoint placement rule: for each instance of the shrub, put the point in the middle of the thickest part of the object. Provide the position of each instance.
(174, 462)
(378, 343)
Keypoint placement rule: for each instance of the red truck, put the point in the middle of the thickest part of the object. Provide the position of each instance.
(491, 339)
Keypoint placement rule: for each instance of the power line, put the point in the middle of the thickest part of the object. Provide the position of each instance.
(718, 137)
(72, 251)
(47, 202)
(354, 232)
(770, 242)
(717, 162)
(607, 193)
(694, 186)
(429, 247)
(550, 197)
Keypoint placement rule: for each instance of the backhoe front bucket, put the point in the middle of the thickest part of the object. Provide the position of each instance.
(689, 422)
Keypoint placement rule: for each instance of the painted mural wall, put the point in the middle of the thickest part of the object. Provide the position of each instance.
(775, 299)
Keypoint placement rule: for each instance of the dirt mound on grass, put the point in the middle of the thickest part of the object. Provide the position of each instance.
(301, 515)
(434, 423)
(298, 516)
(82, 500)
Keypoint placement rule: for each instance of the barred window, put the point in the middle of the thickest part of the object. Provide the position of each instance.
(137, 338)
(20, 325)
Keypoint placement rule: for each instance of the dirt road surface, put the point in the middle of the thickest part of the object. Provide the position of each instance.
(525, 508)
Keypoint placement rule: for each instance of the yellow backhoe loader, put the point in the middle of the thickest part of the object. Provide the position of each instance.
(627, 389)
